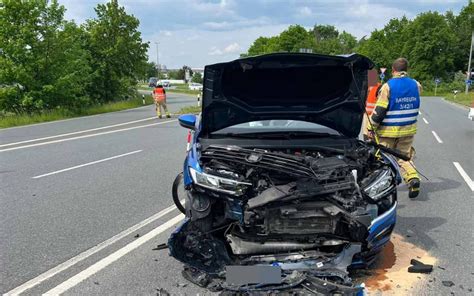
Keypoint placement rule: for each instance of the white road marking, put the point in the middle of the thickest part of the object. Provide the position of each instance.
(86, 164)
(419, 112)
(98, 266)
(78, 132)
(426, 121)
(86, 136)
(434, 134)
(464, 175)
(84, 255)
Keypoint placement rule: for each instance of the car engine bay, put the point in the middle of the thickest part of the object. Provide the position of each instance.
(306, 210)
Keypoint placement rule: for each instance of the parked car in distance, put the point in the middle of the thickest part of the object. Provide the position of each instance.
(195, 86)
(152, 81)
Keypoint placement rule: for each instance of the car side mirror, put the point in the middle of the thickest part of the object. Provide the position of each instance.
(187, 121)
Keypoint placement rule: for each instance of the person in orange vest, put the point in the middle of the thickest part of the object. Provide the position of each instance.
(159, 95)
(374, 88)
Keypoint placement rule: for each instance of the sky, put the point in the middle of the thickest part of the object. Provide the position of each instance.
(198, 32)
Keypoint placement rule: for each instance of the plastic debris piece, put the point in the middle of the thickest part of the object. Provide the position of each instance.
(420, 268)
(161, 247)
(447, 283)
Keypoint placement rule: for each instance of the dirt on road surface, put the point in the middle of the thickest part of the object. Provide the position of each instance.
(389, 275)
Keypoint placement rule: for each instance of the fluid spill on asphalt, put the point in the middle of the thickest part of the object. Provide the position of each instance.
(389, 274)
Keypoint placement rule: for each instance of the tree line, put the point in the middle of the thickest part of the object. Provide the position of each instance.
(436, 45)
(47, 62)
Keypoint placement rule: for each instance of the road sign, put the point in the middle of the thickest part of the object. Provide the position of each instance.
(383, 70)
(382, 76)
(468, 81)
(437, 81)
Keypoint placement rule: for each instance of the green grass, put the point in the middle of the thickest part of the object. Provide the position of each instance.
(461, 98)
(179, 88)
(190, 110)
(24, 119)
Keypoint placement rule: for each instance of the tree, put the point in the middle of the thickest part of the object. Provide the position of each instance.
(43, 64)
(197, 78)
(117, 51)
(294, 38)
(150, 70)
(462, 26)
(429, 46)
(263, 45)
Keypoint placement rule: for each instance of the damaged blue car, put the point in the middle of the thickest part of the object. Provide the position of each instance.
(280, 193)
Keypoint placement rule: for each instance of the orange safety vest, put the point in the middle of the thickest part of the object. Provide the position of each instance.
(372, 98)
(159, 94)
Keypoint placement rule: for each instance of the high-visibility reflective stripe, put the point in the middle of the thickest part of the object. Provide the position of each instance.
(398, 112)
(403, 119)
(396, 131)
(370, 104)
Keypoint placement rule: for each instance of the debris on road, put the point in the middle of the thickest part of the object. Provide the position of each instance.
(162, 292)
(390, 271)
(447, 283)
(161, 247)
(137, 235)
(419, 267)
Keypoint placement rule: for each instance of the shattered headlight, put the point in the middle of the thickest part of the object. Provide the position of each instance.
(217, 183)
(381, 185)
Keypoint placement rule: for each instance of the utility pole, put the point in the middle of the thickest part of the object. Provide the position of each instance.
(468, 76)
(157, 61)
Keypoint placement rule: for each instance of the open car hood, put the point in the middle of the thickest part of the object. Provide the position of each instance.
(323, 89)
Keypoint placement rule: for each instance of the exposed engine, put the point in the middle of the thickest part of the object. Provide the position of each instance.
(253, 206)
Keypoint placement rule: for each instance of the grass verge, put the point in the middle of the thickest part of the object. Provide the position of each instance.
(190, 110)
(24, 119)
(461, 98)
(178, 88)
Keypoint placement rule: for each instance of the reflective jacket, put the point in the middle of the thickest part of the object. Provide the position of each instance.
(397, 107)
(159, 94)
(372, 98)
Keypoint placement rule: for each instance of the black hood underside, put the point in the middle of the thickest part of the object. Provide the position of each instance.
(328, 90)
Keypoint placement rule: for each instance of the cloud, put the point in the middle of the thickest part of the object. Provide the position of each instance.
(232, 48)
(229, 49)
(215, 51)
(166, 33)
(304, 11)
(201, 32)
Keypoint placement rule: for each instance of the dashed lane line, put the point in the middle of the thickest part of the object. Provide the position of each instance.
(103, 263)
(464, 175)
(86, 164)
(426, 121)
(437, 137)
(86, 254)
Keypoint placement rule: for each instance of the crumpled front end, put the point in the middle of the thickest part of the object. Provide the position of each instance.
(306, 215)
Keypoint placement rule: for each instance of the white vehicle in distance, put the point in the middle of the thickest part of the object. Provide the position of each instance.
(195, 86)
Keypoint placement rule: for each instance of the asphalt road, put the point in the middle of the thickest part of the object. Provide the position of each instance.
(82, 209)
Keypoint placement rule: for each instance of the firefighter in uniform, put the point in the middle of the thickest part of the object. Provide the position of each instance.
(394, 120)
(159, 95)
(374, 88)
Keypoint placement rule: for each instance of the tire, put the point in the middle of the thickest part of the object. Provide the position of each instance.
(178, 181)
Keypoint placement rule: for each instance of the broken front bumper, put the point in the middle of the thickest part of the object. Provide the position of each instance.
(208, 266)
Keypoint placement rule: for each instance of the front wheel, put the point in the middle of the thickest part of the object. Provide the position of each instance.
(178, 192)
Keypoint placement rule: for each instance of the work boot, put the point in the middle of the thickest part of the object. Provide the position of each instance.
(159, 116)
(168, 116)
(413, 188)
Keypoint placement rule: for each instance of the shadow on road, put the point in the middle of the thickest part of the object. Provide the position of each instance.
(427, 187)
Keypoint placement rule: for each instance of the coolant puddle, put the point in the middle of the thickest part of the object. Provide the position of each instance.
(389, 275)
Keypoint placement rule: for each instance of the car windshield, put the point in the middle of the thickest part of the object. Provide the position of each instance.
(276, 126)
